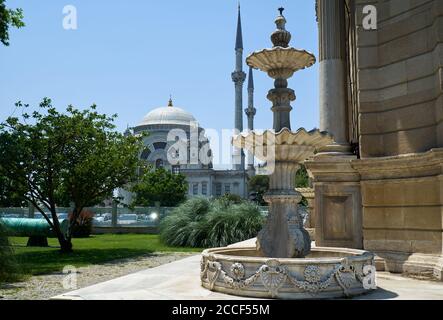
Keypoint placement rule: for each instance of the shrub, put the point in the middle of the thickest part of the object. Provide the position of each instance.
(83, 226)
(201, 223)
(258, 186)
(235, 223)
(8, 265)
(233, 198)
(181, 227)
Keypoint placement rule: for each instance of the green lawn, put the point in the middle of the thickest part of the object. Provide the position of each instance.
(94, 250)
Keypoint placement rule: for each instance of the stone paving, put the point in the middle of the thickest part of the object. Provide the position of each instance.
(180, 280)
(46, 286)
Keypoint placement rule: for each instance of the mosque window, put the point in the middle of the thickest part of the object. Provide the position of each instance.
(175, 169)
(204, 188)
(159, 145)
(159, 163)
(227, 188)
(145, 154)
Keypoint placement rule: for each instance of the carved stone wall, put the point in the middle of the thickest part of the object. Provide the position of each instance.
(398, 80)
(400, 77)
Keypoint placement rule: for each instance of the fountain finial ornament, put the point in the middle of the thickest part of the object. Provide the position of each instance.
(281, 37)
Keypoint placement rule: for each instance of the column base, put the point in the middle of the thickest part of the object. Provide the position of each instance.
(425, 266)
(335, 149)
(338, 210)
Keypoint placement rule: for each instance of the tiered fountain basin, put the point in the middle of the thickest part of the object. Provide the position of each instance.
(324, 274)
(280, 62)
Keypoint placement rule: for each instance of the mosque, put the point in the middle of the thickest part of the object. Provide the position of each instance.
(203, 179)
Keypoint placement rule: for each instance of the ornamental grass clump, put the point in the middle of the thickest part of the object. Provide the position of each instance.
(201, 223)
(8, 265)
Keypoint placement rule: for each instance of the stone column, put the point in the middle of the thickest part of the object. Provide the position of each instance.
(338, 211)
(332, 65)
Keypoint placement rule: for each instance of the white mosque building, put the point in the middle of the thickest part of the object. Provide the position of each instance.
(203, 179)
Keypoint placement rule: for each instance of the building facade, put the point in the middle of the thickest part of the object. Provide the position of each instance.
(163, 126)
(161, 143)
(380, 187)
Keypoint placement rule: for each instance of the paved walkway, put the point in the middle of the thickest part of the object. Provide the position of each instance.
(180, 280)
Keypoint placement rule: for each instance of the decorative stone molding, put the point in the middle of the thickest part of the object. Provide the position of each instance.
(284, 278)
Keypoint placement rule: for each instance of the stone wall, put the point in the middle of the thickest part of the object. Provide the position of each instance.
(396, 208)
(400, 81)
(400, 78)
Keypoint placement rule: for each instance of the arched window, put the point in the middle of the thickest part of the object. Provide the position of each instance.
(159, 145)
(159, 163)
(145, 154)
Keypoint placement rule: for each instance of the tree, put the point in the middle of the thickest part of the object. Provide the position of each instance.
(8, 197)
(162, 186)
(76, 155)
(259, 185)
(9, 18)
(302, 178)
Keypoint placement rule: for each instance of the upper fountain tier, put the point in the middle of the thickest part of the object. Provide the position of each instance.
(281, 61)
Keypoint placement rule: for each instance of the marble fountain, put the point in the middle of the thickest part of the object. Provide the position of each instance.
(282, 264)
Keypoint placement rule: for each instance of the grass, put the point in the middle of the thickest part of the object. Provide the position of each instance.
(97, 249)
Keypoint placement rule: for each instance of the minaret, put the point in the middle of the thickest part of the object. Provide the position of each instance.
(238, 77)
(250, 113)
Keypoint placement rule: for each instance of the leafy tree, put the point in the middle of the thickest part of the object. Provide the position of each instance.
(8, 197)
(162, 186)
(302, 178)
(9, 18)
(259, 185)
(50, 155)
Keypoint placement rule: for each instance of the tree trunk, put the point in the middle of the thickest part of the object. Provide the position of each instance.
(65, 245)
(64, 241)
(72, 223)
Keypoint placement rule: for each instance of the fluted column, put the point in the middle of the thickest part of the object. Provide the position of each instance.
(332, 65)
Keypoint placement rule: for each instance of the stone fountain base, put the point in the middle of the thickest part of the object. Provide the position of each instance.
(325, 273)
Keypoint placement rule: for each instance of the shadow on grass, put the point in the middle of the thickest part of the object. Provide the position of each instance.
(39, 262)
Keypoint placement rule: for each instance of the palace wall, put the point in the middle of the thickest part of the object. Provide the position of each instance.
(400, 78)
(395, 86)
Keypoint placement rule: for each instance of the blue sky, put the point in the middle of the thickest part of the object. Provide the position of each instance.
(129, 56)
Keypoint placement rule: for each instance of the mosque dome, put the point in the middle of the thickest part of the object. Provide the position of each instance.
(169, 115)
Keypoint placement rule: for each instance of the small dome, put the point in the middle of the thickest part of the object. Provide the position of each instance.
(167, 116)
